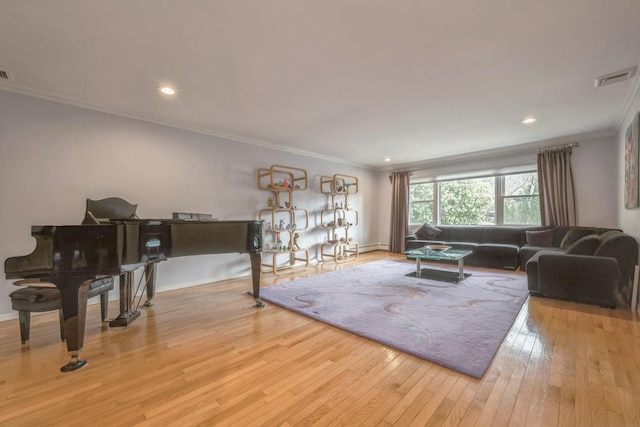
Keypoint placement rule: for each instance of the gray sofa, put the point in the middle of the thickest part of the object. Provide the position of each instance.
(595, 269)
(557, 238)
(492, 246)
(583, 264)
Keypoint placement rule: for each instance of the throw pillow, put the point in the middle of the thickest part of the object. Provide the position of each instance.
(427, 232)
(585, 246)
(573, 235)
(543, 238)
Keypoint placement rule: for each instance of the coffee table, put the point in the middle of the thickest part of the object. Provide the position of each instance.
(428, 254)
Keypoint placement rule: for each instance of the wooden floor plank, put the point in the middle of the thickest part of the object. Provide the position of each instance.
(204, 356)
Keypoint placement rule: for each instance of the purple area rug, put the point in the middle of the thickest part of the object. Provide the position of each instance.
(460, 326)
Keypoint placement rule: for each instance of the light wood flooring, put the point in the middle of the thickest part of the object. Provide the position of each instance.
(204, 356)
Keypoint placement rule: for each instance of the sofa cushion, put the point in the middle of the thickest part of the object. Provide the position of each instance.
(558, 233)
(505, 235)
(573, 235)
(427, 232)
(461, 233)
(498, 255)
(527, 252)
(585, 246)
(624, 248)
(609, 233)
(542, 238)
(498, 249)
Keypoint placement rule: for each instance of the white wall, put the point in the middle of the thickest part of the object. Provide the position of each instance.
(629, 219)
(592, 164)
(55, 156)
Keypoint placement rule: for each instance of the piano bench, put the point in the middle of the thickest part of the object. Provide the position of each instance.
(38, 299)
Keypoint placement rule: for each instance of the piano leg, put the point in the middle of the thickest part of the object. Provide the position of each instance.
(150, 277)
(127, 314)
(73, 297)
(256, 261)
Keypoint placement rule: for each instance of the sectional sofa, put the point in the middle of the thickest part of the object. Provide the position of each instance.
(593, 265)
(492, 246)
(596, 269)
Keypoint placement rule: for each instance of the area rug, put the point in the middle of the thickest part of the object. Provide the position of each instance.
(459, 326)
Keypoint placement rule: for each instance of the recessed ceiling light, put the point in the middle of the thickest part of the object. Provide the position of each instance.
(167, 90)
(528, 120)
(387, 159)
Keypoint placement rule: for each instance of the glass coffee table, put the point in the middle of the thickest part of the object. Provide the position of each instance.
(439, 253)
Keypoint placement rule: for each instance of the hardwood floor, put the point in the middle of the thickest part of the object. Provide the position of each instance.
(204, 356)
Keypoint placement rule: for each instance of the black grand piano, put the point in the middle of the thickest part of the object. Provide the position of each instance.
(71, 256)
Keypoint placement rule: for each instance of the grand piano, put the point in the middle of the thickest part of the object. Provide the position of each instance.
(71, 256)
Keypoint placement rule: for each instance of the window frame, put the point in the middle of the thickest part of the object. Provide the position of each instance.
(499, 198)
(435, 205)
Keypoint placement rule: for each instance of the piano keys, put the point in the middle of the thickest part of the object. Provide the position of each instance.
(71, 256)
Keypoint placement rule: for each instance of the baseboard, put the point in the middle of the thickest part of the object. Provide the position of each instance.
(183, 285)
(8, 316)
(374, 247)
(114, 295)
(95, 300)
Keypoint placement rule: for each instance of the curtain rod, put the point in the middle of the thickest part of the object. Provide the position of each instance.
(558, 147)
(400, 170)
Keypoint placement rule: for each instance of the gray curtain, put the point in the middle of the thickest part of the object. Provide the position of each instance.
(555, 187)
(399, 211)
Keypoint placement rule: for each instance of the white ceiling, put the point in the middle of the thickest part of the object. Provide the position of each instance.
(355, 80)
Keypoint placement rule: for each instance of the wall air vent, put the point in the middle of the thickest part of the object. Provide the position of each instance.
(618, 76)
(5, 76)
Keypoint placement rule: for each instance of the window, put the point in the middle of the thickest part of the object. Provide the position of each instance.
(520, 201)
(467, 201)
(502, 199)
(421, 203)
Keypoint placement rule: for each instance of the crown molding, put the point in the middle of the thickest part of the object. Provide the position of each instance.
(520, 149)
(231, 137)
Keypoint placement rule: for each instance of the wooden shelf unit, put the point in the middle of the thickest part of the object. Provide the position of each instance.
(338, 218)
(283, 218)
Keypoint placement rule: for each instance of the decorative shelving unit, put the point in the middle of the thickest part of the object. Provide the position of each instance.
(284, 220)
(339, 218)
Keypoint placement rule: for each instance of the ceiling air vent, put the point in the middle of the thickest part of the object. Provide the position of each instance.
(618, 76)
(5, 76)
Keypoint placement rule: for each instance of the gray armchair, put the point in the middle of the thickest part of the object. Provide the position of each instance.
(594, 270)
(579, 278)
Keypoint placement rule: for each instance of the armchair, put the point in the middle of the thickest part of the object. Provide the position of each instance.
(594, 270)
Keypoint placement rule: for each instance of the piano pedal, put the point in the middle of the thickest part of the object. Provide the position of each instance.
(124, 319)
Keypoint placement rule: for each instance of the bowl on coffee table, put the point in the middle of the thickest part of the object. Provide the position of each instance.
(438, 248)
